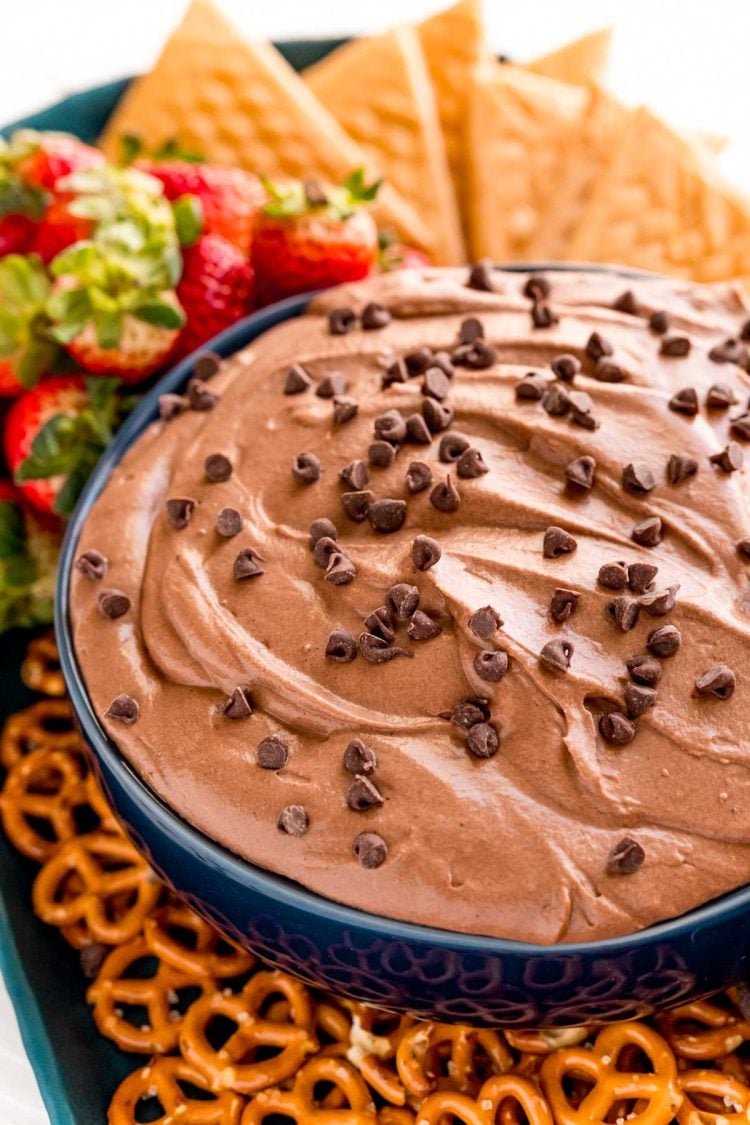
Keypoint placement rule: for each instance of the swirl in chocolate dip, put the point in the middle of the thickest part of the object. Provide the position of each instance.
(437, 601)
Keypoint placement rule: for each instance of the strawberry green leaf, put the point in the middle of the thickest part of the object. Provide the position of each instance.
(108, 325)
(161, 314)
(102, 392)
(358, 188)
(24, 324)
(18, 198)
(11, 530)
(131, 147)
(67, 497)
(173, 150)
(188, 217)
(36, 360)
(27, 566)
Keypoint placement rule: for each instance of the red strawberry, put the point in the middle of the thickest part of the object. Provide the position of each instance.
(307, 237)
(395, 255)
(28, 555)
(26, 352)
(229, 197)
(59, 229)
(53, 156)
(16, 234)
(215, 289)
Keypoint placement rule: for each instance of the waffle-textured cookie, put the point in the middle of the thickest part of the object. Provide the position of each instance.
(581, 62)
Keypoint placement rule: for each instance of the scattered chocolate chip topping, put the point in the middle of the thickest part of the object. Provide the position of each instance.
(359, 758)
(417, 430)
(617, 728)
(566, 367)
(581, 406)
(403, 600)
(471, 465)
(418, 361)
(532, 387)
(537, 288)
(124, 709)
(341, 646)
(557, 542)
(321, 529)
(238, 705)
(332, 386)
(685, 401)
(206, 365)
(381, 623)
(363, 794)
(658, 603)
(719, 682)
(425, 552)
(564, 603)
(468, 713)
(730, 351)
(477, 356)
(745, 331)
(391, 427)
(423, 628)
(377, 651)
(297, 380)
(740, 427)
(491, 666)
(597, 346)
(437, 415)
(395, 373)
(470, 330)
(228, 523)
(664, 641)
(556, 400)
(293, 821)
(613, 576)
(436, 384)
(624, 612)
(648, 533)
(375, 316)
(542, 316)
(445, 497)
(485, 622)
(92, 957)
(720, 397)
(644, 669)
(218, 468)
(180, 511)
(113, 604)
(444, 362)
(483, 741)
(306, 468)
(370, 850)
(344, 409)
(355, 474)
(340, 570)
(387, 515)
(581, 472)
(681, 466)
(323, 549)
(480, 277)
(638, 478)
(608, 372)
(638, 699)
(640, 576)
(675, 346)
(731, 458)
(356, 504)
(170, 406)
(418, 477)
(341, 321)
(627, 303)
(451, 446)
(626, 857)
(659, 322)
(247, 565)
(743, 546)
(557, 655)
(381, 454)
(200, 396)
(92, 564)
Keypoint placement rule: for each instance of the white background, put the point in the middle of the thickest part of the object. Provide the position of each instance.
(686, 58)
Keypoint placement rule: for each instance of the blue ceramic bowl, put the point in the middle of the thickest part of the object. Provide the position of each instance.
(429, 972)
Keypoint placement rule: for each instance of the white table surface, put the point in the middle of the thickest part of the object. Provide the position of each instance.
(685, 58)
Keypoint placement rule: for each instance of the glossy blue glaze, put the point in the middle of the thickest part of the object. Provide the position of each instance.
(429, 972)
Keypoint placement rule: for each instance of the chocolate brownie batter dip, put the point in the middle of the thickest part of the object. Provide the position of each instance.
(436, 600)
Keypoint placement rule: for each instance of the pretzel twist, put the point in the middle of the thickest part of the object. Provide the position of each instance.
(182, 939)
(729, 1099)
(48, 723)
(428, 1049)
(724, 1030)
(163, 1080)
(374, 1040)
(548, 1039)
(40, 670)
(39, 800)
(300, 1104)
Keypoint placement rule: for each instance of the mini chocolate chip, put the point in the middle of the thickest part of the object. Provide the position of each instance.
(247, 565)
(598, 346)
(743, 546)
(381, 623)
(93, 564)
(557, 654)
(445, 496)
(418, 477)
(480, 277)
(92, 957)
(564, 603)
(638, 699)
(444, 362)
(218, 468)
(720, 397)
(387, 515)
(206, 365)
(437, 415)
(180, 511)
(340, 570)
(675, 346)
(381, 454)
(403, 600)
(581, 472)
(238, 705)
(556, 400)
(557, 542)
(483, 741)
(170, 406)
(297, 380)
(375, 316)
(321, 529)
(344, 409)
(606, 371)
(685, 401)
(113, 604)
(468, 713)
(477, 356)
(333, 385)
(638, 478)
(624, 612)
(124, 709)
(228, 523)
(745, 331)
(200, 396)
(423, 628)
(648, 533)
(306, 468)
(451, 446)
(323, 549)
(542, 315)
(658, 603)
(390, 427)
(664, 641)
(436, 384)
(418, 361)
(681, 466)
(617, 728)
(644, 669)
(395, 373)
(531, 388)
(377, 651)
(355, 474)
(659, 322)
(581, 405)
(360, 758)
(640, 576)
(719, 682)
(341, 646)
(341, 321)
(272, 752)
(537, 288)
(627, 303)
(356, 504)
(417, 431)
(425, 552)
(740, 427)
(566, 367)
(370, 850)
(730, 351)
(470, 330)
(485, 622)
(491, 666)
(293, 821)
(730, 460)
(613, 576)
(471, 465)
(363, 794)
(626, 857)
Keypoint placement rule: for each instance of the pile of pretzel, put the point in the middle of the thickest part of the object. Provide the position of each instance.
(229, 1042)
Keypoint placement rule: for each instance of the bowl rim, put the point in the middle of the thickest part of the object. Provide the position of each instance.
(244, 872)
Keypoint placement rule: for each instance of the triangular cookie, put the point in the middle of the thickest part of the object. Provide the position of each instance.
(238, 102)
(520, 127)
(581, 62)
(380, 92)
